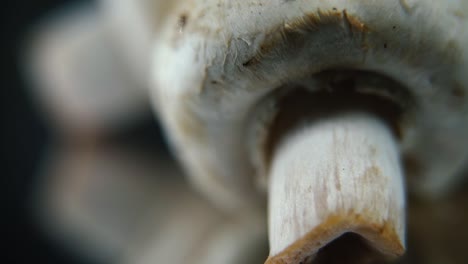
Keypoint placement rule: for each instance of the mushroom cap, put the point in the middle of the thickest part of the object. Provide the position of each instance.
(217, 61)
(79, 76)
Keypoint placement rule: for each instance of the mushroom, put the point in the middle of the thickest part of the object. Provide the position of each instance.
(119, 205)
(134, 25)
(79, 76)
(89, 63)
(328, 107)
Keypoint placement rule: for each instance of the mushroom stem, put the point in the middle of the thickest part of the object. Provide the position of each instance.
(338, 177)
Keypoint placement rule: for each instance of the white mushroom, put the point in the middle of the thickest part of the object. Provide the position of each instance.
(79, 75)
(89, 66)
(119, 205)
(134, 25)
(89, 63)
(253, 91)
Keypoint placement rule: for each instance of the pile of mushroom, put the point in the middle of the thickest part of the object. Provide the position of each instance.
(117, 204)
(328, 107)
(322, 115)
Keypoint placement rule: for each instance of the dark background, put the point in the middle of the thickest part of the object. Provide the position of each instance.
(25, 137)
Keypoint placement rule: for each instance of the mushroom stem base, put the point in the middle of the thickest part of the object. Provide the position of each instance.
(333, 177)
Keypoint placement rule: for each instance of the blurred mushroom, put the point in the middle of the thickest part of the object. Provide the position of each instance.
(118, 205)
(317, 101)
(134, 25)
(89, 65)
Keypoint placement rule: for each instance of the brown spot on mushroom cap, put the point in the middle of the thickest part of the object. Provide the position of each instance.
(182, 21)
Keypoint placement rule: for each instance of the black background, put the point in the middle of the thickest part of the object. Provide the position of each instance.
(25, 136)
(24, 141)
